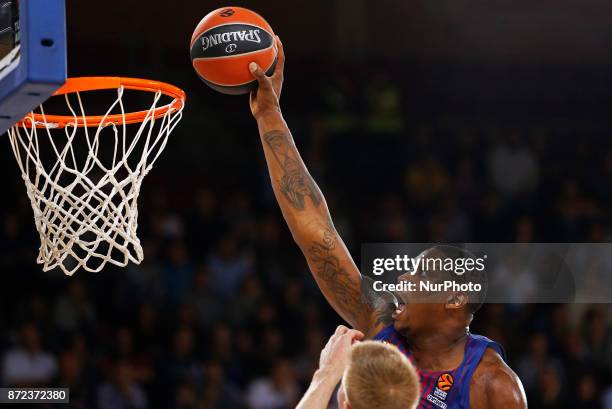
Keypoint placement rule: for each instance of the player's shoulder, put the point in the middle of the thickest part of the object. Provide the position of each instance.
(496, 384)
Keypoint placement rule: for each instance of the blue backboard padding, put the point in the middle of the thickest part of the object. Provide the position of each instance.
(42, 69)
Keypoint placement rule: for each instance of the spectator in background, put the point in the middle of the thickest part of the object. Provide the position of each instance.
(458, 223)
(28, 365)
(426, 180)
(220, 393)
(125, 350)
(576, 209)
(587, 396)
(71, 375)
(228, 267)
(186, 397)
(392, 224)
(607, 398)
(384, 106)
(146, 330)
(179, 271)
(206, 306)
(307, 361)
(13, 242)
(524, 230)
(338, 102)
(513, 166)
(221, 344)
(74, 311)
(205, 223)
(549, 392)
(597, 336)
(121, 392)
(146, 280)
(248, 299)
(182, 364)
(280, 390)
(537, 362)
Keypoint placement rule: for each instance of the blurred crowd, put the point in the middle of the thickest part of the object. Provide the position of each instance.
(223, 312)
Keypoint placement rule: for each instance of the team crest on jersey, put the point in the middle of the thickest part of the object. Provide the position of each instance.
(443, 386)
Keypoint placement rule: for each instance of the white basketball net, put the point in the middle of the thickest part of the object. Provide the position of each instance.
(84, 184)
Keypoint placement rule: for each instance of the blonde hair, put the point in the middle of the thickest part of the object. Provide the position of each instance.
(380, 376)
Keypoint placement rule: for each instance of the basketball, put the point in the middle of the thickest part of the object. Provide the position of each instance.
(225, 42)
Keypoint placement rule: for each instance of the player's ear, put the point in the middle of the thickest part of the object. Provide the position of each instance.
(456, 301)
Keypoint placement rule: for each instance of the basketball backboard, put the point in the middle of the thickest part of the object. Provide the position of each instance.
(32, 55)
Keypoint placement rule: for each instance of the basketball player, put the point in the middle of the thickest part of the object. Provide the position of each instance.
(457, 369)
(373, 374)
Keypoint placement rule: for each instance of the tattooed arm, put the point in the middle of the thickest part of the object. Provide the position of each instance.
(306, 213)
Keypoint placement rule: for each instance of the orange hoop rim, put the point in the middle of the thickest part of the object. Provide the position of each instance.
(84, 84)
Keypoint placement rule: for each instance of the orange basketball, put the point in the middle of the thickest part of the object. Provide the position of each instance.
(225, 42)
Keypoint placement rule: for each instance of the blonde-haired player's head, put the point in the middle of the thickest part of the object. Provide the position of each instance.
(378, 376)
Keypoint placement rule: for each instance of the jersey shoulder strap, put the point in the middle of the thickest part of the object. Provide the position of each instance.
(390, 335)
(475, 350)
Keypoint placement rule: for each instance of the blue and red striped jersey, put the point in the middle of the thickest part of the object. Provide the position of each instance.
(445, 389)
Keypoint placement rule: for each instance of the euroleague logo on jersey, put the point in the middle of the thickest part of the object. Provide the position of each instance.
(440, 392)
(445, 382)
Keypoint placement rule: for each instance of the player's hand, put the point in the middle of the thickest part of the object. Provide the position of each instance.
(335, 356)
(265, 99)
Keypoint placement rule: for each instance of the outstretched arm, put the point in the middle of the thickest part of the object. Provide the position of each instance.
(305, 210)
(334, 359)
